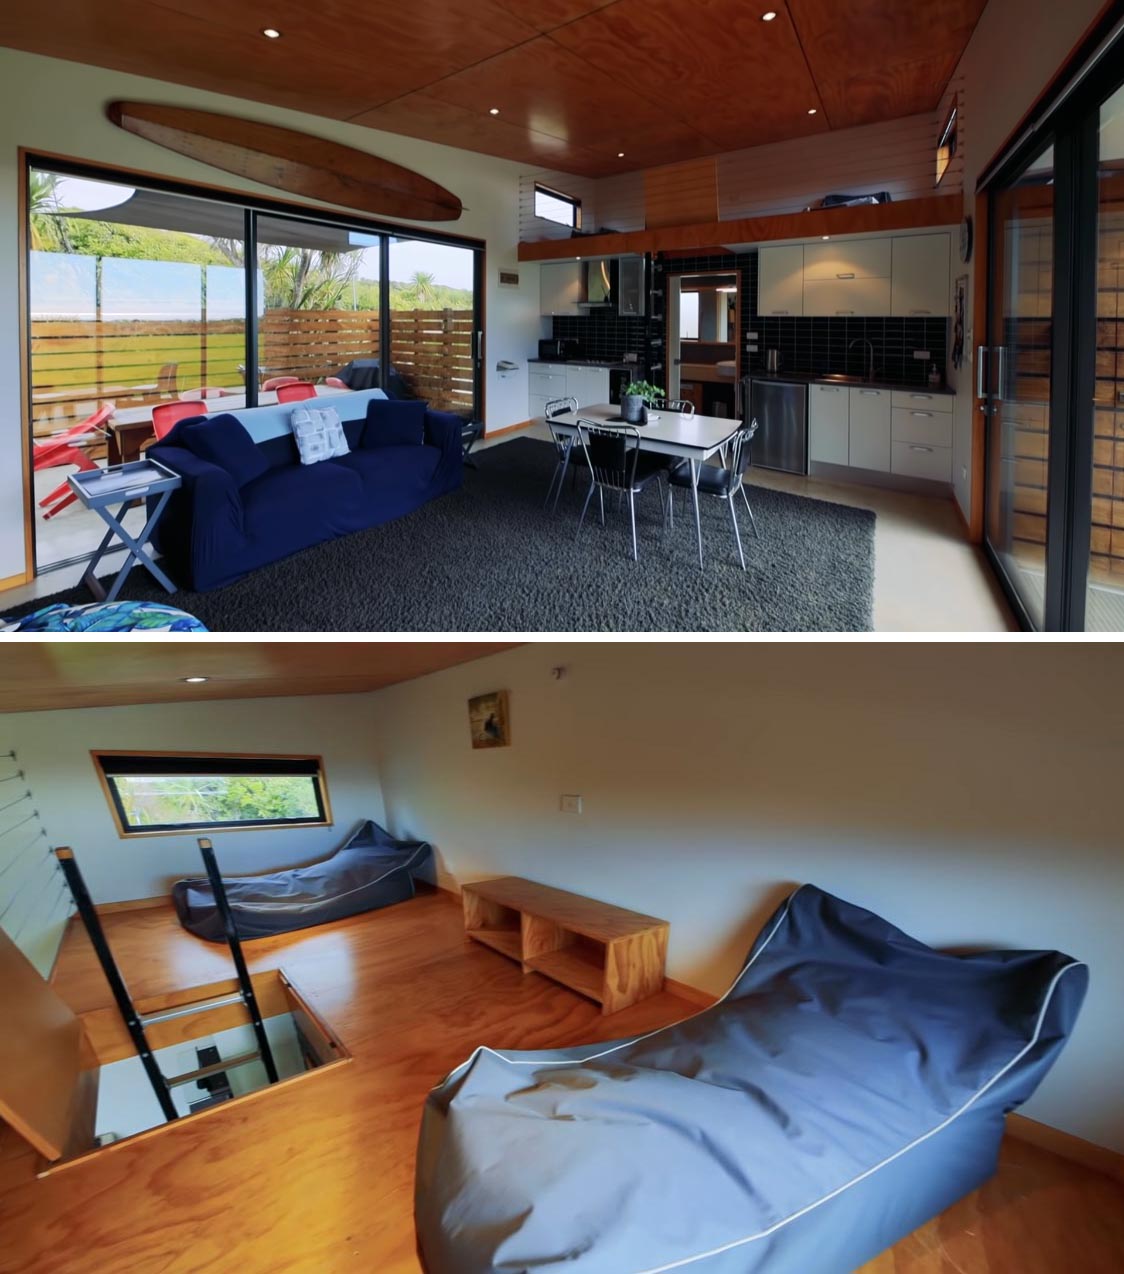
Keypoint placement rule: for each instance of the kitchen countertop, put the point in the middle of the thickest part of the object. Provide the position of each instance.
(622, 366)
(807, 378)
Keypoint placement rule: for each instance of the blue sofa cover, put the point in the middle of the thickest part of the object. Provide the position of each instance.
(850, 1085)
(213, 532)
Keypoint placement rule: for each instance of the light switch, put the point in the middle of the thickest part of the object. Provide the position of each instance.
(571, 804)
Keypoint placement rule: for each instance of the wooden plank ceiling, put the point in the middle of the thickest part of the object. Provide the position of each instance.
(575, 82)
(58, 675)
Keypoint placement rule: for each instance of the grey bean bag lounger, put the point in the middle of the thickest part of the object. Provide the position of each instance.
(370, 869)
(851, 1084)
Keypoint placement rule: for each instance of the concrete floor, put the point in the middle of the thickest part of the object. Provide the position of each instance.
(927, 577)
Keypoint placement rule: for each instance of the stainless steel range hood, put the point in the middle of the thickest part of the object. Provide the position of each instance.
(597, 284)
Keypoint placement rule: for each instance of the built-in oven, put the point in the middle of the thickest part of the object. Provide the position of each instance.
(619, 379)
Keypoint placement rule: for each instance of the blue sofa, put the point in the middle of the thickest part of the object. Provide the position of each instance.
(244, 504)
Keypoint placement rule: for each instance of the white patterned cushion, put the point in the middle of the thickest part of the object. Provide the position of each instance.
(319, 434)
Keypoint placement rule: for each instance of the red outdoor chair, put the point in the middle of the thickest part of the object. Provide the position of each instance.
(294, 392)
(165, 415)
(206, 391)
(336, 383)
(275, 382)
(66, 448)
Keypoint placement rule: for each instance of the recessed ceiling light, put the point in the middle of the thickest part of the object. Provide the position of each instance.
(195, 681)
(271, 33)
(620, 154)
(768, 17)
(494, 111)
(825, 237)
(812, 111)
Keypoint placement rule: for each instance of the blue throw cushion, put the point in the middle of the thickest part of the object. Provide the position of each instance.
(223, 441)
(394, 423)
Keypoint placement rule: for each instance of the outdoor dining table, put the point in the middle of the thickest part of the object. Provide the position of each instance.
(131, 427)
(669, 433)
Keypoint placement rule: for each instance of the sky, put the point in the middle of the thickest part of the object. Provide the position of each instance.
(450, 266)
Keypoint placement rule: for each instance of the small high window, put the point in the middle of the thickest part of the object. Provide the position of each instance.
(553, 205)
(164, 793)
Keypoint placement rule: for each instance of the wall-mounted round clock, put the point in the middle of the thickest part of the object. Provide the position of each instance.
(966, 240)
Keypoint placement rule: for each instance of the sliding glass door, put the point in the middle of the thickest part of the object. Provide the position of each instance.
(1015, 371)
(1050, 370)
(1104, 581)
(138, 296)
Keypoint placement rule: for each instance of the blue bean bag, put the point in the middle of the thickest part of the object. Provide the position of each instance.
(369, 870)
(851, 1084)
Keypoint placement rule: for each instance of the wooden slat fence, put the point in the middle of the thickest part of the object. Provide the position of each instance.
(75, 365)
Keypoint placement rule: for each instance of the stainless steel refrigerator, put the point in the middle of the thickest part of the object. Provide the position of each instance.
(781, 410)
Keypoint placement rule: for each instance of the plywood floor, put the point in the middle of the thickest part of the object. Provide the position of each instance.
(318, 1178)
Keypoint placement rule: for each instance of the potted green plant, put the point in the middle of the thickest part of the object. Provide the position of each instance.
(636, 396)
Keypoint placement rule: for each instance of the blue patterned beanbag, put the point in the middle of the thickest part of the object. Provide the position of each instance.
(107, 617)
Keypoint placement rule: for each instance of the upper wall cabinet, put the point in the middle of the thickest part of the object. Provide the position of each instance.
(847, 259)
(842, 298)
(920, 276)
(780, 280)
(560, 287)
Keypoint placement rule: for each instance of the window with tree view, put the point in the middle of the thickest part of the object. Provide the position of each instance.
(184, 792)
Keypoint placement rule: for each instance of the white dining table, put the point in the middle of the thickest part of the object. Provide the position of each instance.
(695, 438)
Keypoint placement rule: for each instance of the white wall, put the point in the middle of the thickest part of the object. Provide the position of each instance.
(58, 107)
(1016, 49)
(54, 748)
(963, 792)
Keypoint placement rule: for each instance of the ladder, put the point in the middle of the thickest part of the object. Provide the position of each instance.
(136, 1023)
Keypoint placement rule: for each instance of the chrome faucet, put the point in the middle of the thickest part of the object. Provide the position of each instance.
(862, 340)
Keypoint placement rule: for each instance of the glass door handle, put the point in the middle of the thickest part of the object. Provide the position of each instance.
(981, 350)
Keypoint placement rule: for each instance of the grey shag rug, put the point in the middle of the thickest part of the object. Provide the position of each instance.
(490, 558)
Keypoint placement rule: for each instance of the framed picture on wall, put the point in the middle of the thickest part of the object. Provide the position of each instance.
(488, 721)
(959, 300)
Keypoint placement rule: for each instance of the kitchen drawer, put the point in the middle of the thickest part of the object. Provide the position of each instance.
(922, 426)
(543, 383)
(536, 406)
(923, 400)
(549, 369)
(919, 460)
(848, 258)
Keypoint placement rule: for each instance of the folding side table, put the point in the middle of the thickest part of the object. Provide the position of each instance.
(121, 485)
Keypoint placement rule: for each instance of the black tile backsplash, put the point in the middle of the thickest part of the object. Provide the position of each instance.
(807, 345)
(603, 334)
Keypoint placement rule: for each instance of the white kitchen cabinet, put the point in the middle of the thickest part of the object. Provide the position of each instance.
(828, 424)
(780, 280)
(589, 385)
(844, 298)
(847, 259)
(869, 433)
(560, 287)
(920, 276)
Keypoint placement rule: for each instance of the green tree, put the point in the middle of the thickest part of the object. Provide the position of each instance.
(48, 231)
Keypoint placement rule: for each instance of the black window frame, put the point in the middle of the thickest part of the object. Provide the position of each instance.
(573, 200)
(1067, 119)
(110, 764)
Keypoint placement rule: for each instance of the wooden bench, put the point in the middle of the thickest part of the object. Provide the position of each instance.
(611, 955)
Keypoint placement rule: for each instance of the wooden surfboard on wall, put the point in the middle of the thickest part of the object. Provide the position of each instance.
(291, 161)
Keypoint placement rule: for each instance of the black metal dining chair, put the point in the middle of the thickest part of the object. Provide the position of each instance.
(566, 449)
(616, 464)
(724, 481)
(683, 406)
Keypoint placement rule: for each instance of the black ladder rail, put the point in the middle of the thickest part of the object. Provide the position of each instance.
(251, 1000)
(125, 1004)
